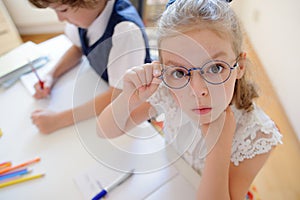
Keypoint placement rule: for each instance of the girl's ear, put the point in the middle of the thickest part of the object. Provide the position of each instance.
(242, 65)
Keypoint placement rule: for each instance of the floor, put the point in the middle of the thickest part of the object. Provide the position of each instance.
(280, 177)
(38, 38)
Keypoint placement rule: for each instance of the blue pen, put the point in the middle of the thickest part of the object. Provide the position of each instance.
(13, 174)
(116, 183)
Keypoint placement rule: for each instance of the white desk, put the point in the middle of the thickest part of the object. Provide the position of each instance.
(64, 153)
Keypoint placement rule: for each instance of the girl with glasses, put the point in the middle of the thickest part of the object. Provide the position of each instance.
(200, 84)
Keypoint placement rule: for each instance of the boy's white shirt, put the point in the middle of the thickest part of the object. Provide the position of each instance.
(128, 46)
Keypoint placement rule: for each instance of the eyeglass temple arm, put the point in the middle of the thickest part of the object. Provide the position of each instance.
(236, 64)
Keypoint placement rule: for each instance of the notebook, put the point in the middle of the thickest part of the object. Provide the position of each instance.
(16, 62)
(138, 186)
(58, 46)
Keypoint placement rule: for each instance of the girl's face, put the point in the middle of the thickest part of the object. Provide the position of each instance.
(201, 101)
(80, 17)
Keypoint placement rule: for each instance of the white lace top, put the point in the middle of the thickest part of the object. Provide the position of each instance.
(255, 132)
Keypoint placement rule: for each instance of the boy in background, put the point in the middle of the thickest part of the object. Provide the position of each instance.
(110, 33)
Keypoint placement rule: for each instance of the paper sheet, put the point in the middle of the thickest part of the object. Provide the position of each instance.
(61, 43)
(179, 188)
(139, 186)
(30, 79)
(16, 63)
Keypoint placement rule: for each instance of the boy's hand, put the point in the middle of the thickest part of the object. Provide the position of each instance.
(43, 92)
(46, 121)
(141, 82)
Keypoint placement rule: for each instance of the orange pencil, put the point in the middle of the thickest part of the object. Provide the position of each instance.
(8, 169)
(5, 164)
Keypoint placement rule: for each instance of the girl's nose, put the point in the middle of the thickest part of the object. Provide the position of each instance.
(198, 84)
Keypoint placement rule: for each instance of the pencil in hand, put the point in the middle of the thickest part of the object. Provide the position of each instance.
(36, 74)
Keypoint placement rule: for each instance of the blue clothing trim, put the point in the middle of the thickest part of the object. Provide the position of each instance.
(98, 53)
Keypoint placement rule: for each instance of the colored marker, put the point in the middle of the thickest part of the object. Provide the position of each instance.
(5, 164)
(14, 174)
(20, 180)
(36, 74)
(116, 183)
(8, 169)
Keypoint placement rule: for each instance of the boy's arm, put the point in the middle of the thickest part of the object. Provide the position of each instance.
(48, 121)
(69, 60)
(87, 110)
(95, 106)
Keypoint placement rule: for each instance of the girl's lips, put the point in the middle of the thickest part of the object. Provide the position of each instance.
(202, 111)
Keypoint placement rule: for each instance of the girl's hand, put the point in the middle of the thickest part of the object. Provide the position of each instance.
(45, 92)
(220, 131)
(218, 139)
(141, 82)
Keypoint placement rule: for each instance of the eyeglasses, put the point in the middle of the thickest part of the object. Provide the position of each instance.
(214, 72)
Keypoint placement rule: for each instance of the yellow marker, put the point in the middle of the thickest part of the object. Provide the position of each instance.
(20, 180)
(1, 133)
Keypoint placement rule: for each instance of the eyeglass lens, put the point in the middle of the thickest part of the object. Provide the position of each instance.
(214, 72)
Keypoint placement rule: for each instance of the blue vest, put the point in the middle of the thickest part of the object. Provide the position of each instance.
(98, 53)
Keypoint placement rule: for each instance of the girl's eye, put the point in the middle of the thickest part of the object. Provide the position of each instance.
(178, 73)
(215, 68)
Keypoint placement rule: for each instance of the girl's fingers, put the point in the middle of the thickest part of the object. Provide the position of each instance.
(140, 78)
(148, 73)
(143, 74)
(156, 71)
(132, 79)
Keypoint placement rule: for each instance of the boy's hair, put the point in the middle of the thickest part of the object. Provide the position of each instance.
(216, 15)
(71, 3)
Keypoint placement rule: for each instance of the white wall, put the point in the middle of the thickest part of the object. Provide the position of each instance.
(32, 20)
(274, 30)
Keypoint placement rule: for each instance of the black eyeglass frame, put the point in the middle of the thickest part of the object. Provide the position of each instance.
(235, 65)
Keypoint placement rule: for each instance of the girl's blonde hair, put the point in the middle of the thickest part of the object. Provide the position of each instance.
(216, 15)
(71, 3)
